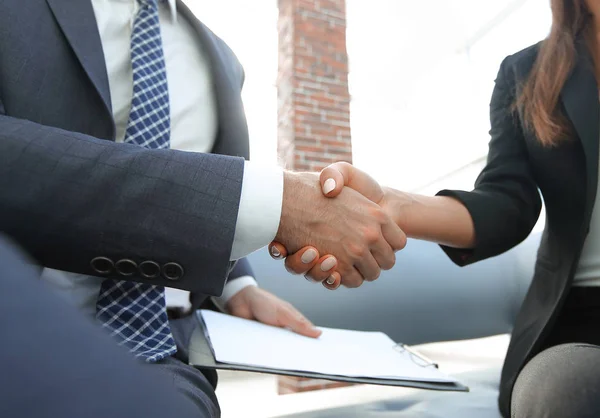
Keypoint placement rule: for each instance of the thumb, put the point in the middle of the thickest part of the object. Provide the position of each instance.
(277, 250)
(334, 177)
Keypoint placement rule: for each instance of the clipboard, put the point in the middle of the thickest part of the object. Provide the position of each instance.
(201, 355)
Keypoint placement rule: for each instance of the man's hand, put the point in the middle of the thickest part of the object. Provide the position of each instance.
(356, 230)
(440, 219)
(260, 305)
(333, 179)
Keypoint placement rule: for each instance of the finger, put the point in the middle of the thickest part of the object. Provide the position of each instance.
(290, 318)
(334, 177)
(333, 281)
(384, 254)
(394, 235)
(368, 268)
(322, 269)
(351, 278)
(332, 180)
(277, 250)
(302, 261)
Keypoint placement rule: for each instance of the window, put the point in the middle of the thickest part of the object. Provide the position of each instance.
(421, 77)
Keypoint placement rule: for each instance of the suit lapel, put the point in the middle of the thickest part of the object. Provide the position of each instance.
(580, 98)
(78, 23)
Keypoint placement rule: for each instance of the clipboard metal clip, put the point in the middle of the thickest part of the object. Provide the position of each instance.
(417, 358)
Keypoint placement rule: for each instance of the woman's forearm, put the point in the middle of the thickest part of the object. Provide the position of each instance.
(440, 219)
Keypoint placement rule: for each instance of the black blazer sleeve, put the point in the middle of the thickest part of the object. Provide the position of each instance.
(505, 203)
(68, 198)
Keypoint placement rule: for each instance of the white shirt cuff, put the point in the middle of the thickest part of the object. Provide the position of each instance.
(260, 209)
(231, 289)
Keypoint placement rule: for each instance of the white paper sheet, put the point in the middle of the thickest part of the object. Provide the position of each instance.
(336, 352)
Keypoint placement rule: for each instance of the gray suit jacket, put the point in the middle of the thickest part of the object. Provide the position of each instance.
(69, 194)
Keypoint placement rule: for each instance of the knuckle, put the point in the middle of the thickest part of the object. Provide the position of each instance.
(402, 242)
(356, 251)
(344, 272)
(378, 215)
(374, 276)
(392, 261)
(371, 235)
(353, 283)
(388, 261)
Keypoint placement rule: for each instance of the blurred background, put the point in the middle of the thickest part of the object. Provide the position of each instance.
(409, 63)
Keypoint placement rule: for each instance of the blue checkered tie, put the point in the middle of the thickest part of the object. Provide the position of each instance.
(136, 313)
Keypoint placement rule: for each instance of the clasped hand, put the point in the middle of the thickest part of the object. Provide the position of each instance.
(352, 220)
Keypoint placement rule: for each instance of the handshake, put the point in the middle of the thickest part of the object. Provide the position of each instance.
(350, 218)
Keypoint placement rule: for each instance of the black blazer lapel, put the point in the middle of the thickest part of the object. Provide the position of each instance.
(233, 129)
(581, 101)
(78, 23)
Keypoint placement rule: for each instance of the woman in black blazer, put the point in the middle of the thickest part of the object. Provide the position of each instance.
(545, 131)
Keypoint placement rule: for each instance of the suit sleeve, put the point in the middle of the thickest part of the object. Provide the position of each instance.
(69, 198)
(505, 204)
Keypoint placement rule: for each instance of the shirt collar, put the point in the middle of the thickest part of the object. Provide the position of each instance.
(172, 8)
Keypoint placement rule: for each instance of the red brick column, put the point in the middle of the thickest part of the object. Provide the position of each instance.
(313, 98)
(313, 102)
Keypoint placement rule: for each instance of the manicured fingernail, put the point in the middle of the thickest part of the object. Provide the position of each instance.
(328, 264)
(330, 280)
(309, 256)
(275, 252)
(328, 186)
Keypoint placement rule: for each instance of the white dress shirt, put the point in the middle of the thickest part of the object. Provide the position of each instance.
(588, 270)
(193, 128)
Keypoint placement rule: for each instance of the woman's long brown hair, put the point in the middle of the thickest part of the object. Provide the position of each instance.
(556, 58)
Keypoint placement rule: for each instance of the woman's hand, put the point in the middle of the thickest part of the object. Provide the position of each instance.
(333, 179)
(440, 219)
(262, 306)
(307, 261)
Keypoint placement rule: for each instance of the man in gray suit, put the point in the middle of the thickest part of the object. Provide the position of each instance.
(108, 113)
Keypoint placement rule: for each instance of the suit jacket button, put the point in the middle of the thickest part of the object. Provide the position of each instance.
(172, 271)
(126, 267)
(149, 269)
(102, 265)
